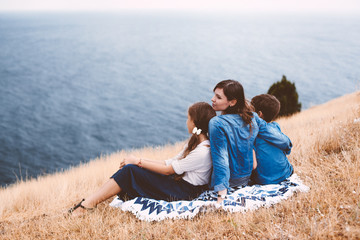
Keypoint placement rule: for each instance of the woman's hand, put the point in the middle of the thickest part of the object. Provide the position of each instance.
(129, 160)
(221, 195)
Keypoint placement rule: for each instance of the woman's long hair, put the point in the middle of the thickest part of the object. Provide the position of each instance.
(233, 90)
(200, 113)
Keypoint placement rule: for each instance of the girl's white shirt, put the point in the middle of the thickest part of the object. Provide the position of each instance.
(196, 165)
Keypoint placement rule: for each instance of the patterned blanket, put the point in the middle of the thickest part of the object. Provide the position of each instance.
(237, 200)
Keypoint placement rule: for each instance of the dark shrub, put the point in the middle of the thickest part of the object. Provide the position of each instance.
(285, 92)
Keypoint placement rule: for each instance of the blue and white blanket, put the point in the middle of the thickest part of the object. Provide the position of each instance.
(237, 200)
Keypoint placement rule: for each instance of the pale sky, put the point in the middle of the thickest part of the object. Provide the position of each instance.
(325, 6)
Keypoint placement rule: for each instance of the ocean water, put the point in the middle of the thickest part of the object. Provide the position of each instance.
(75, 86)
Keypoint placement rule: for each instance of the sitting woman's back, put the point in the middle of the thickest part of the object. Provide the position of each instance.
(231, 141)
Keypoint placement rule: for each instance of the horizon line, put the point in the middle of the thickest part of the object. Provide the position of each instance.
(185, 10)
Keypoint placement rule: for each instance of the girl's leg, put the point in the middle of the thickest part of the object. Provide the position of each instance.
(109, 189)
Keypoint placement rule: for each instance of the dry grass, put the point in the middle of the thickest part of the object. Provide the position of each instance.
(326, 155)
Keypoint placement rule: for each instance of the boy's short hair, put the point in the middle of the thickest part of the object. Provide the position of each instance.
(268, 104)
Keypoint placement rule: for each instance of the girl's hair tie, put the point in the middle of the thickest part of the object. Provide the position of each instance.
(196, 131)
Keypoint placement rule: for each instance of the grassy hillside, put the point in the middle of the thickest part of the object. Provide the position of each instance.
(326, 155)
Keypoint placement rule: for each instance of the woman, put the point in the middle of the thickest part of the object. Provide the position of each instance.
(183, 177)
(232, 137)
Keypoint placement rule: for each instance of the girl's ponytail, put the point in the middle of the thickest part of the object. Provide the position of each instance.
(200, 113)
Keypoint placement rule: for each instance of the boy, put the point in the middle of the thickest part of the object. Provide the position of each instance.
(272, 164)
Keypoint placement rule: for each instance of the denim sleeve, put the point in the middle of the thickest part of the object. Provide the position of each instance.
(220, 156)
(273, 135)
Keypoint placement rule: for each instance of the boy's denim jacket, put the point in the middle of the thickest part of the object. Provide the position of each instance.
(232, 142)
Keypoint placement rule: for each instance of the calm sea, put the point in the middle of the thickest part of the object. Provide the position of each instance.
(75, 86)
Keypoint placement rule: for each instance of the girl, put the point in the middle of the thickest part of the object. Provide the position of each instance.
(183, 177)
